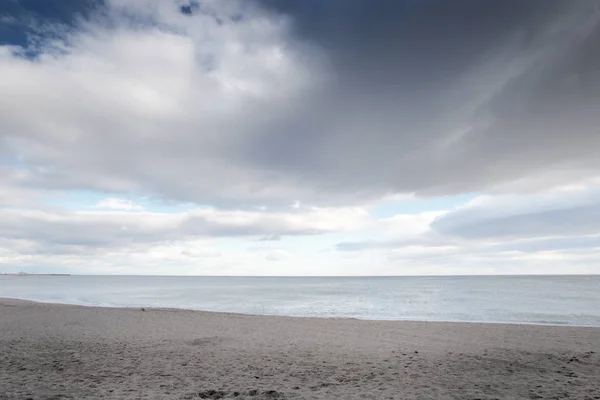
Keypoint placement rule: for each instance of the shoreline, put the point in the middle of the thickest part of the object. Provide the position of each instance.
(308, 276)
(116, 307)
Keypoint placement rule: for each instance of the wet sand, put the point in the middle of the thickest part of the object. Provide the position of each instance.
(50, 351)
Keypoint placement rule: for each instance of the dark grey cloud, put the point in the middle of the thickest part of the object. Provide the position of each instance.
(326, 102)
(444, 97)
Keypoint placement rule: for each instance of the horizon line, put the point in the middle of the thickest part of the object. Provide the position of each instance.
(294, 276)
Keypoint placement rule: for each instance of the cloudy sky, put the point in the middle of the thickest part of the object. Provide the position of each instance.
(300, 137)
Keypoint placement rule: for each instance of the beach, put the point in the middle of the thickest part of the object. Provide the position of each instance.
(50, 351)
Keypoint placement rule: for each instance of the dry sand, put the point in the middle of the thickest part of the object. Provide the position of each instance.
(70, 352)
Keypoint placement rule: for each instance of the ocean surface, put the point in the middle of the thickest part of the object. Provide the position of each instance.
(560, 300)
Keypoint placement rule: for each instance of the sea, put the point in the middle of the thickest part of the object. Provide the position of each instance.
(554, 300)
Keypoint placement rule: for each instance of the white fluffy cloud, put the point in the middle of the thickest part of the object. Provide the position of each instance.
(554, 231)
(563, 212)
(199, 241)
(278, 255)
(229, 105)
(109, 229)
(165, 108)
(274, 124)
(119, 204)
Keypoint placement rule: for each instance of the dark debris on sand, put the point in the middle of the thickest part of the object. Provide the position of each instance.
(221, 394)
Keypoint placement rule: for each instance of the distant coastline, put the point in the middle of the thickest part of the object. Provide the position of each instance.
(28, 274)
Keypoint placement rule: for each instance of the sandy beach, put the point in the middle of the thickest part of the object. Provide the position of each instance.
(52, 351)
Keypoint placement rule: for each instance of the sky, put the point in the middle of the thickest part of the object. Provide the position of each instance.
(300, 137)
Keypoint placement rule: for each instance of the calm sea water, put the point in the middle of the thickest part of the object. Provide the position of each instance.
(568, 300)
